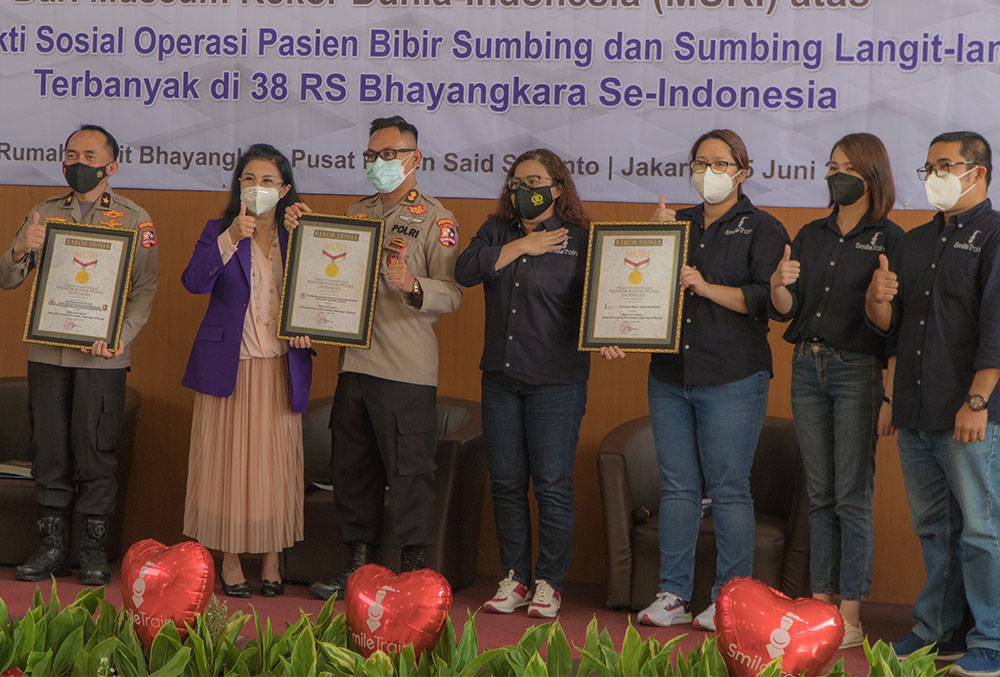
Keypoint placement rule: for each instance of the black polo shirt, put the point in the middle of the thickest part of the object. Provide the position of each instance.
(828, 300)
(947, 317)
(533, 304)
(719, 345)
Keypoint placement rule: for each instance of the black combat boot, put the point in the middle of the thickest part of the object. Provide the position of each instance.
(361, 554)
(412, 558)
(52, 556)
(93, 557)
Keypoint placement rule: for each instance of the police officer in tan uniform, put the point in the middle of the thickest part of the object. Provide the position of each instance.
(384, 423)
(77, 395)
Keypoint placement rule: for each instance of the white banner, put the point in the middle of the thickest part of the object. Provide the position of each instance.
(619, 88)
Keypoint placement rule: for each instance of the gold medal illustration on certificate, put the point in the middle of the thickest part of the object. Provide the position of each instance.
(82, 276)
(332, 268)
(635, 277)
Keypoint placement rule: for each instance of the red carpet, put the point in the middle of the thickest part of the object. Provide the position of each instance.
(581, 602)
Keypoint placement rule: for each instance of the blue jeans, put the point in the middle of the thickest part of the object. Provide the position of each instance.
(954, 494)
(531, 432)
(836, 397)
(706, 437)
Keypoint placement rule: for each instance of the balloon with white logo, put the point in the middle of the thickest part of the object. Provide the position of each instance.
(161, 583)
(756, 624)
(386, 611)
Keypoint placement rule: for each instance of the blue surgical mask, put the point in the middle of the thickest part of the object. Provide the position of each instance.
(386, 175)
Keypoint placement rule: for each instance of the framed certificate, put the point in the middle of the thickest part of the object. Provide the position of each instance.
(631, 297)
(79, 292)
(331, 279)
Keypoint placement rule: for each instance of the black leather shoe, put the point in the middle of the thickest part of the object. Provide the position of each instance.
(94, 569)
(361, 554)
(412, 558)
(240, 590)
(272, 588)
(52, 556)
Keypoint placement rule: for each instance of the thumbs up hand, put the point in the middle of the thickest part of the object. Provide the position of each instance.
(243, 225)
(663, 212)
(885, 283)
(32, 236)
(787, 272)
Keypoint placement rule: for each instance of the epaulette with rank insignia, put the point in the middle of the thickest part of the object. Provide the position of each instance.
(412, 196)
(68, 200)
(106, 200)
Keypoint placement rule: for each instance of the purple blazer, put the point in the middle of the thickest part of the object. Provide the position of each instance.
(215, 356)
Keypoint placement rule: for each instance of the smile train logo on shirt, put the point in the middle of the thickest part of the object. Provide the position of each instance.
(970, 246)
(739, 229)
(872, 246)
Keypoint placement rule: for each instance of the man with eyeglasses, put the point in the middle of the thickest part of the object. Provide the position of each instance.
(384, 421)
(943, 307)
(77, 395)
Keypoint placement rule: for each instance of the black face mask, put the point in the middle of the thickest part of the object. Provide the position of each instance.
(530, 203)
(84, 178)
(845, 189)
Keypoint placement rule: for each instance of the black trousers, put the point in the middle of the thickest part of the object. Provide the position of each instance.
(384, 433)
(74, 432)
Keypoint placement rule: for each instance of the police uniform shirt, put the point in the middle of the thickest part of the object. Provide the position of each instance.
(404, 347)
(111, 210)
(719, 345)
(828, 299)
(947, 317)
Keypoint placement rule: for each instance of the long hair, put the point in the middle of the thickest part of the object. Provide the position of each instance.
(869, 159)
(737, 149)
(568, 205)
(261, 151)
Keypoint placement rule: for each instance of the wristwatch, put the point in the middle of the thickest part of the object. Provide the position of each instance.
(416, 290)
(976, 402)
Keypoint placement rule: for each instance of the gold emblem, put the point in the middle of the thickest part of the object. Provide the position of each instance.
(82, 277)
(332, 270)
(635, 277)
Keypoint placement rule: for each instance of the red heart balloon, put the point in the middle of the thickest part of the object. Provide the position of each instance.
(755, 624)
(161, 583)
(386, 611)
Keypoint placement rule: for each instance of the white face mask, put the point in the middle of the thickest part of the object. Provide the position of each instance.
(712, 187)
(259, 200)
(944, 192)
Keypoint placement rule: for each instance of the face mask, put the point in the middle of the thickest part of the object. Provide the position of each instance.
(845, 189)
(84, 178)
(386, 175)
(944, 192)
(259, 200)
(531, 203)
(712, 187)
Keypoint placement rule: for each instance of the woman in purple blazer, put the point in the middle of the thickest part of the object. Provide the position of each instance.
(245, 483)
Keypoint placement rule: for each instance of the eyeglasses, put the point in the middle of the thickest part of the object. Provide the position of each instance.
(942, 168)
(718, 167)
(267, 182)
(533, 181)
(386, 153)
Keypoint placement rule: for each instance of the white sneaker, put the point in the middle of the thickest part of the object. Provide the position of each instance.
(666, 609)
(510, 595)
(706, 619)
(853, 636)
(546, 602)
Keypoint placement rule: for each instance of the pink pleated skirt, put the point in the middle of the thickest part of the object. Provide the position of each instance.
(244, 483)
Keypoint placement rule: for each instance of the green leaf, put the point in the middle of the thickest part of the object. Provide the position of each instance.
(39, 663)
(473, 667)
(66, 651)
(175, 666)
(304, 654)
(591, 662)
(24, 639)
(558, 657)
(445, 648)
(630, 662)
(165, 646)
(341, 658)
(53, 606)
(379, 665)
(711, 660)
(534, 638)
(468, 646)
(406, 662)
(536, 667)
